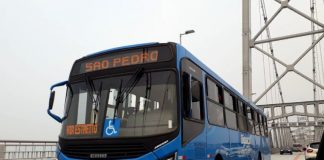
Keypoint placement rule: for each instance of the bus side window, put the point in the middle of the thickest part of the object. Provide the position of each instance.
(186, 94)
(257, 123)
(228, 100)
(264, 122)
(212, 91)
(266, 126)
(242, 123)
(230, 114)
(215, 110)
(250, 120)
(192, 92)
(196, 105)
(220, 95)
(261, 125)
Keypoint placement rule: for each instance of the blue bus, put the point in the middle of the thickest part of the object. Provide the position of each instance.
(155, 101)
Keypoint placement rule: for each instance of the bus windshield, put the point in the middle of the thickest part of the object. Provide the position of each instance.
(147, 108)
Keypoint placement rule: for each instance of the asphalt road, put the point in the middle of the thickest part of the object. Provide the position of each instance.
(295, 156)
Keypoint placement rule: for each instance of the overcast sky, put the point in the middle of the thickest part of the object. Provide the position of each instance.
(40, 40)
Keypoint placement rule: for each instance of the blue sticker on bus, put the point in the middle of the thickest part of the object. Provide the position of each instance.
(111, 127)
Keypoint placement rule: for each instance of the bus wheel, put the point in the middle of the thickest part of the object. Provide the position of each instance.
(259, 157)
(218, 157)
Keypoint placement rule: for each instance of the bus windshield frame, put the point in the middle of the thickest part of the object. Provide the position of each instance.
(149, 108)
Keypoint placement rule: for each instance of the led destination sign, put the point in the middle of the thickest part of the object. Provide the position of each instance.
(132, 58)
(82, 129)
(122, 59)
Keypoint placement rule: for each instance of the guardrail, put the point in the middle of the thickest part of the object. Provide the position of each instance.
(13, 149)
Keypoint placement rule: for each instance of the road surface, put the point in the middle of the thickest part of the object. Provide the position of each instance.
(295, 156)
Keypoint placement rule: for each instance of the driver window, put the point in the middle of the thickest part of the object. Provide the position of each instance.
(192, 98)
(196, 111)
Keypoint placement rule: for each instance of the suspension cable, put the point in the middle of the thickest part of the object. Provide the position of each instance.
(264, 70)
(270, 77)
(312, 3)
(320, 56)
(265, 18)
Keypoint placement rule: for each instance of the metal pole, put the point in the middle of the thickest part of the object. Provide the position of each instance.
(281, 137)
(286, 137)
(313, 50)
(246, 37)
(274, 139)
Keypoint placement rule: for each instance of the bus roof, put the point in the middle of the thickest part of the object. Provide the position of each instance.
(120, 48)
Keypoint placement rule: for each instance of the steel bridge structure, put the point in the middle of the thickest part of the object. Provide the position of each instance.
(294, 122)
(299, 122)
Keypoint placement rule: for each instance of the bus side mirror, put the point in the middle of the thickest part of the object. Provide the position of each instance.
(51, 100)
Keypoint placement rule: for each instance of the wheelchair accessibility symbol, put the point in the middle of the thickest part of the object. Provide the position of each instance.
(111, 127)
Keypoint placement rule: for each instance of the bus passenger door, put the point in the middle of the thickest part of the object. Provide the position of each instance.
(193, 135)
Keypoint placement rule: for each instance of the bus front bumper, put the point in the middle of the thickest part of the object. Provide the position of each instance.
(148, 156)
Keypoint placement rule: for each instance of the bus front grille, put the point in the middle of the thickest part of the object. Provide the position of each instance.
(105, 151)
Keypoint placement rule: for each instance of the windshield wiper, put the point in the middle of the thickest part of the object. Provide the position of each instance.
(131, 83)
(92, 90)
(147, 91)
(118, 101)
(148, 88)
(95, 99)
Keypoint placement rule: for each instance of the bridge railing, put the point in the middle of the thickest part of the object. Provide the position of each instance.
(11, 149)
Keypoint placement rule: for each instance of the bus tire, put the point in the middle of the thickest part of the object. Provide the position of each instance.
(218, 157)
(259, 156)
